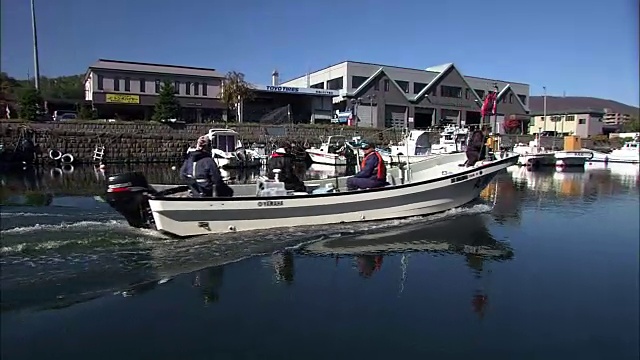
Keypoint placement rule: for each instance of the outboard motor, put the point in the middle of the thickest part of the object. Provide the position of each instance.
(127, 194)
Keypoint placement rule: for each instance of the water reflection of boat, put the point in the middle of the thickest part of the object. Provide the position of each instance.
(627, 174)
(568, 183)
(465, 235)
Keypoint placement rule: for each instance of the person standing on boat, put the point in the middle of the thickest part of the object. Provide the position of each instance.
(373, 171)
(283, 159)
(202, 172)
(475, 148)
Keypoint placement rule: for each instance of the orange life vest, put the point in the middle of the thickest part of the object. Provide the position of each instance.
(381, 170)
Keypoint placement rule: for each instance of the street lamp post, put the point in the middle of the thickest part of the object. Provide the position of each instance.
(371, 97)
(35, 45)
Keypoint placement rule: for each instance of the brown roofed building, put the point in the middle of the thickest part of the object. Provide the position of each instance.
(129, 90)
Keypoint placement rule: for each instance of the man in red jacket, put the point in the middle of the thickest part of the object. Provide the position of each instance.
(373, 172)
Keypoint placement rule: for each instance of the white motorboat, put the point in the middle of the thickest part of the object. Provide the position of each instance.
(415, 147)
(433, 185)
(229, 152)
(334, 151)
(629, 153)
(452, 139)
(534, 155)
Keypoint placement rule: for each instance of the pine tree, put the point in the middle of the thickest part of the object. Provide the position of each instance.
(167, 107)
(30, 103)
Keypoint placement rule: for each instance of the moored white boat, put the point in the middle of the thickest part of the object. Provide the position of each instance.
(229, 152)
(629, 153)
(334, 151)
(452, 139)
(414, 147)
(534, 155)
(572, 158)
(435, 185)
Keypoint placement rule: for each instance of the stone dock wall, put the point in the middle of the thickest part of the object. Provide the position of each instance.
(147, 142)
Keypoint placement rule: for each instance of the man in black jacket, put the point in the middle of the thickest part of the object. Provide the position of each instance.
(283, 159)
(202, 172)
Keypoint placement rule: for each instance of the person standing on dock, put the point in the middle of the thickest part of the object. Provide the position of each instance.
(373, 171)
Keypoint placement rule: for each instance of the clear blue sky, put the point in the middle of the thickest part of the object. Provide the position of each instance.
(583, 47)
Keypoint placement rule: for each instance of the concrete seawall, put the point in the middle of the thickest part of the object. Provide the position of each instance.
(154, 142)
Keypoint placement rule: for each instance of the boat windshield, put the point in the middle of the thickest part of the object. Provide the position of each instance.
(226, 143)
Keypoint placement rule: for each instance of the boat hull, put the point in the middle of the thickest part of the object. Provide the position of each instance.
(537, 160)
(614, 157)
(572, 158)
(320, 157)
(191, 217)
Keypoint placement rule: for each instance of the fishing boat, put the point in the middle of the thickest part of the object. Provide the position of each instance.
(413, 148)
(572, 158)
(452, 139)
(229, 152)
(432, 186)
(333, 151)
(534, 155)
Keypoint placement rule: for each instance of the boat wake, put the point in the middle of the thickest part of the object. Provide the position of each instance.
(73, 259)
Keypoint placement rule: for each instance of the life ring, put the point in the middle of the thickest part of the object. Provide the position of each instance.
(67, 169)
(55, 172)
(55, 154)
(67, 158)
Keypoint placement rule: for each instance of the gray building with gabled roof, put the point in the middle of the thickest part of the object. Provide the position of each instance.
(391, 96)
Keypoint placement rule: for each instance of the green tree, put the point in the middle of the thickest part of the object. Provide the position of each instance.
(631, 125)
(85, 112)
(30, 103)
(235, 90)
(167, 107)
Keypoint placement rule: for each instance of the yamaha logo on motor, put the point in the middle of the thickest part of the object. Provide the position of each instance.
(270, 203)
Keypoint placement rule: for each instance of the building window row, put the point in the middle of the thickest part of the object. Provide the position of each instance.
(190, 87)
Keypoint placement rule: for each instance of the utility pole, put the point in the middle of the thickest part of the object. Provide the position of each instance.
(544, 110)
(36, 64)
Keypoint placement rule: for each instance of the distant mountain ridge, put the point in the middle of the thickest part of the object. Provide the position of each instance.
(560, 103)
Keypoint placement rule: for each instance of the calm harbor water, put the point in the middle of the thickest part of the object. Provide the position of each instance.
(543, 266)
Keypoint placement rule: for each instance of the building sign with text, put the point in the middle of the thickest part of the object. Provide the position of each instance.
(296, 90)
(122, 99)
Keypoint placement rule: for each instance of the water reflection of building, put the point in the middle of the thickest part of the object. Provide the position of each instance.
(593, 180)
